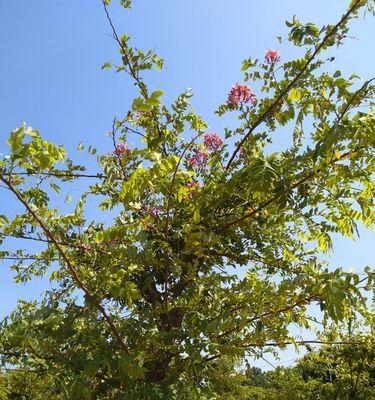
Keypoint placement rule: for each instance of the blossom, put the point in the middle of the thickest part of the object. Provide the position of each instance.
(121, 148)
(240, 94)
(272, 56)
(198, 160)
(193, 186)
(138, 115)
(212, 141)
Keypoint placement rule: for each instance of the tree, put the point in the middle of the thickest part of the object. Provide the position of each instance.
(27, 385)
(161, 315)
(330, 373)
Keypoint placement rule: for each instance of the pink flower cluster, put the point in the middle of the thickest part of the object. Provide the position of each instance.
(240, 94)
(194, 185)
(121, 148)
(272, 56)
(212, 141)
(198, 160)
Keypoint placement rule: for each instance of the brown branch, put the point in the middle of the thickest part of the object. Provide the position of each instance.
(352, 98)
(118, 156)
(311, 175)
(298, 342)
(127, 128)
(37, 239)
(132, 71)
(301, 302)
(69, 265)
(281, 96)
(265, 204)
(299, 182)
(25, 258)
(166, 227)
(54, 174)
(282, 344)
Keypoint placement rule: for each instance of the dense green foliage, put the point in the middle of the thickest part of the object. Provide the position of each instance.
(204, 249)
(338, 372)
(332, 373)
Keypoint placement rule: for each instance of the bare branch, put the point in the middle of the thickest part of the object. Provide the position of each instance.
(55, 174)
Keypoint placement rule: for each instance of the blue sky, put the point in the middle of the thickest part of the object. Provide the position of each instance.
(50, 75)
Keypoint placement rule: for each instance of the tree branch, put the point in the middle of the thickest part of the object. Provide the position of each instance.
(68, 263)
(55, 174)
(281, 96)
(166, 227)
(265, 204)
(132, 71)
(301, 302)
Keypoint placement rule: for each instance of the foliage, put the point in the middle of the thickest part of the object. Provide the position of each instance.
(345, 372)
(161, 313)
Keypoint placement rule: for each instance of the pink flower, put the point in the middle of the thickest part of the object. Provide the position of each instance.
(121, 148)
(212, 141)
(240, 94)
(198, 160)
(193, 186)
(137, 115)
(272, 56)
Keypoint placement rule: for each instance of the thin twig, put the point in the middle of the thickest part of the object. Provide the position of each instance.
(166, 227)
(55, 174)
(132, 71)
(301, 302)
(282, 344)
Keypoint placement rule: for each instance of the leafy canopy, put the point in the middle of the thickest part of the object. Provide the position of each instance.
(217, 246)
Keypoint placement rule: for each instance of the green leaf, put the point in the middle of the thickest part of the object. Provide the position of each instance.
(126, 3)
(152, 101)
(157, 94)
(106, 65)
(196, 217)
(124, 39)
(295, 95)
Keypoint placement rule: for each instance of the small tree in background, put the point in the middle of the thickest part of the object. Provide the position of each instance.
(161, 314)
(338, 372)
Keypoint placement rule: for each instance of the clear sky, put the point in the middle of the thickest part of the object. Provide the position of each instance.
(50, 75)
